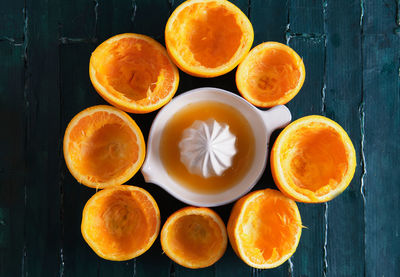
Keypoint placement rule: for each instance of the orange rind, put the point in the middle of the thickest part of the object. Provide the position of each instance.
(134, 73)
(121, 222)
(103, 146)
(208, 38)
(313, 160)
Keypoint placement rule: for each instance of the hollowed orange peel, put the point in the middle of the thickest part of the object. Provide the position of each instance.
(103, 147)
(264, 228)
(208, 38)
(120, 223)
(134, 73)
(271, 74)
(194, 237)
(313, 159)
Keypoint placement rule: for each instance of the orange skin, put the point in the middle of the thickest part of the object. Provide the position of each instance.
(78, 163)
(194, 237)
(240, 217)
(134, 73)
(121, 222)
(271, 74)
(220, 37)
(340, 171)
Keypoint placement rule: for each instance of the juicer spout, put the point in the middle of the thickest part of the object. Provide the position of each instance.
(148, 171)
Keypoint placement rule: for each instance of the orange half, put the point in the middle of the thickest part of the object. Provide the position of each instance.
(208, 38)
(271, 74)
(120, 223)
(313, 159)
(194, 237)
(264, 228)
(134, 73)
(103, 147)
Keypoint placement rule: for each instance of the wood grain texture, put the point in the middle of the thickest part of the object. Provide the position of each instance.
(381, 17)
(352, 56)
(308, 259)
(12, 159)
(114, 17)
(78, 19)
(44, 156)
(306, 17)
(381, 62)
(12, 21)
(76, 95)
(305, 34)
(269, 19)
(345, 245)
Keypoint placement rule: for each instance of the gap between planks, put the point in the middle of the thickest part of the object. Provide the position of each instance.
(93, 38)
(397, 13)
(361, 111)
(27, 77)
(134, 9)
(323, 111)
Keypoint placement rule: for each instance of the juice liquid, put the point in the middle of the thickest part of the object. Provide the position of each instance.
(184, 118)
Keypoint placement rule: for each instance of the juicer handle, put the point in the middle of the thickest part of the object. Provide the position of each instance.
(276, 117)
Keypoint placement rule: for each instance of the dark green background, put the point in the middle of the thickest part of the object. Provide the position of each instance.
(352, 56)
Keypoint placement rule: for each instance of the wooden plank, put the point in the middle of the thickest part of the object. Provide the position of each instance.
(381, 114)
(143, 23)
(181, 271)
(120, 269)
(230, 264)
(175, 3)
(78, 19)
(42, 221)
(308, 259)
(12, 20)
(103, 19)
(95, 21)
(243, 5)
(12, 158)
(345, 241)
(381, 17)
(269, 19)
(115, 17)
(306, 17)
(77, 94)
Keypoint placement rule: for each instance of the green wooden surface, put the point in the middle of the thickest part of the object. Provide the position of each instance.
(344, 52)
(12, 161)
(351, 50)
